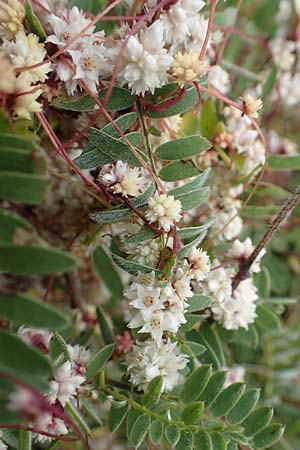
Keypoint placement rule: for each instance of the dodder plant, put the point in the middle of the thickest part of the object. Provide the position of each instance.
(122, 176)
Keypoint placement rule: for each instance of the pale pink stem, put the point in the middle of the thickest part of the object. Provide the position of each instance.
(209, 28)
(227, 35)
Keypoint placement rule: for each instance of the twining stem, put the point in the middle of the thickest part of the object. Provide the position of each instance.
(209, 28)
(285, 211)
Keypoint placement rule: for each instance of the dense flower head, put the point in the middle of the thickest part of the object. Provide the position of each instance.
(12, 14)
(163, 209)
(148, 360)
(122, 179)
(188, 67)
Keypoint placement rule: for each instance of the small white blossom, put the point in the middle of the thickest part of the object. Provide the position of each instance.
(188, 67)
(234, 374)
(65, 384)
(145, 61)
(146, 252)
(50, 424)
(12, 14)
(147, 360)
(218, 282)
(252, 105)
(163, 209)
(36, 337)
(242, 250)
(199, 263)
(122, 179)
(218, 78)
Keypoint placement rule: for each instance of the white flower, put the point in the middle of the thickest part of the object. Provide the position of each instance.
(27, 51)
(218, 282)
(146, 252)
(65, 384)
(12, 14)
(7, 75)
(50, 424)
(66, 27)
(36, 337)
(3, 446)
(218, 78)
(163, 209)
(251, 105)
(283, 53)
(122, 179)
(188, 67)
(238, 311)
(145, 61)
(242, 250)
(234, 374)
(199, 263)
(147, 361)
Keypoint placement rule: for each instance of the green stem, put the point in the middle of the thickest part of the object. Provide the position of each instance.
(145, 135)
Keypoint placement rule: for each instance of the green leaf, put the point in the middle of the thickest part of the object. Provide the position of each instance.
(183, 148)
(243, 407)
(248, 337)
(172, 434)
(193, 413)
(259, 212)
(155, 431)
(192, 199)
(195, 384)
(22, 187)
(202, 440)
(198, 302)
(121, 211)
(268, 436)
(186, 441)
(24, 440)
(153, 392)
(106, 332)
(96, 363)
(227, 399)
(132, 416)
(143, 235)
(163, 95)
(195, 243)
(75, 415)
(193, 185)
(267, 320)
(209, 337)
(196, 349)
(132, 267)
(237, 437)
(257, 420)
(25, 310)
(116, 415)
(263, 282)
(283, 163)
(15, 141)
(192, 232)
(34, 260)
(218, 441)
(269, 84)
(18, 360)
(139, 430)
(104, 149)
(119, 99)
(9, 222)
(58, 348)
(208, 120)
(107, 272)
(179, 170)
(16, 160)
(213, 388)
(34, 23)
(124, 122)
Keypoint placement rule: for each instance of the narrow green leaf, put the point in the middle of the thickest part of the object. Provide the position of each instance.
(267, 320)
(22, 187)
(268, 436)
(24, 440)
(192, 232)
(208, 336)
(16, 160)
(192, 199)
(237, 437)
(58, 348)
(227, 399)
(218, 441)
(119, 99)
(9, 222)
(155, 432)
(106, 332)
(25, 310)
(257, 420)
(269, 84)
(179, 170)
(243, 407)
(34, 23)
(172, 434)
(153, 392)
(263, 282)
(34, 260)
(107, 272)
(202, 441)
(198, 302)
(283, 163)
(123, 122)
(116, 415)
(133, 267)
(165, 94)
(213, 388)
(195, 384)
(196, 349)
(139, 430)
(131, 418)
(208, 120)
(248, 337)
(75, 415)
(96, 363)
(195, 243)
(143, 235)
(182, 148)
(193, 413)
(15, 141)
(18, 360)
(186, 441)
